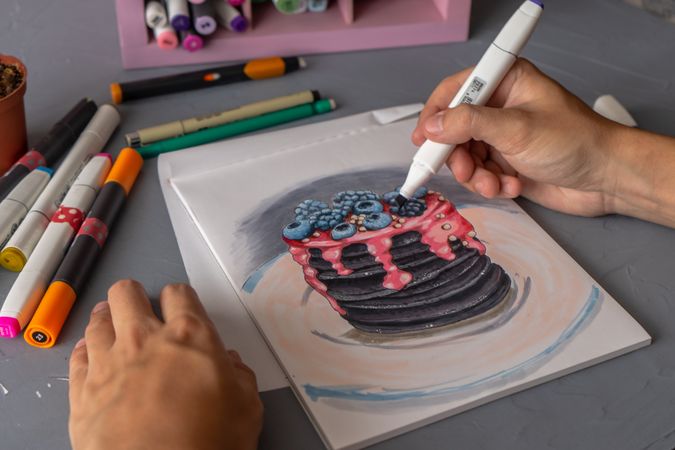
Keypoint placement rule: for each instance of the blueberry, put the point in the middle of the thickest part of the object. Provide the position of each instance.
(390, 196)
(411, 208)
(368, 206)
(343, 231)
(307, 208)
(298, 230)
(377, 221)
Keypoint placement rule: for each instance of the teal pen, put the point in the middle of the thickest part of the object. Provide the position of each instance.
(237, 128)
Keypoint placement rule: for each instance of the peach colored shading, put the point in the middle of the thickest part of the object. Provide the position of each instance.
(557, 295)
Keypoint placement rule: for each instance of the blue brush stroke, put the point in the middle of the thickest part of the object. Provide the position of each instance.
(352, 393)
(257, 275)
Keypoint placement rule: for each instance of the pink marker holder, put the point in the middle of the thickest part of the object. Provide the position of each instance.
(346, 25)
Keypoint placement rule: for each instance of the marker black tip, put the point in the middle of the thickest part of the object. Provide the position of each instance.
(401, 200)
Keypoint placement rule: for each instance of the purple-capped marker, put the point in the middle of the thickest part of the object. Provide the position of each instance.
(179, 14)
(203, 16)
(239, 24)
(230, 17)
(538, 2)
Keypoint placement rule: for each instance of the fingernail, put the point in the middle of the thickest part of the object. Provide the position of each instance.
(435, 123)
(509, 189)
(479, 188)
(80, 343)
(99, 307)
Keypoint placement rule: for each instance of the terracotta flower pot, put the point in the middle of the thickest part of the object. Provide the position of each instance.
(13, 139)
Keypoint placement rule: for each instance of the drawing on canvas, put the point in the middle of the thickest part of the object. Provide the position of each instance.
(382, 307)
(533, 315)
(390, 269)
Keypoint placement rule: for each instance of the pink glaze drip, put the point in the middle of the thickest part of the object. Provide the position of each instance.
(429, 225)
(395, 278)
(334, 256)
(301, 256)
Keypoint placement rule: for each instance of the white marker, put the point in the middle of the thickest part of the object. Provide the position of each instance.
(19, 201)
(91, 141)
(477, 89)
(24, 296)
(230, 17)
(155, 15)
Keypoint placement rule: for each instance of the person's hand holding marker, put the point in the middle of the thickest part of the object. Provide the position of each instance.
(137, 382)
(536, 139)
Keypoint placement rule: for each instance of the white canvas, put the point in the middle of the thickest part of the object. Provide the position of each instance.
(361, 388)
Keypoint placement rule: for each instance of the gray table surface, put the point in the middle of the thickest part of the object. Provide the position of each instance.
(593, 47)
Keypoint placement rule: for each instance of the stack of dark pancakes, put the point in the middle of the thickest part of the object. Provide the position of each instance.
(441, 291)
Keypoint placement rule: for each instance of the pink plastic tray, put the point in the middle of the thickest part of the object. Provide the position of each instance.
(346, 25)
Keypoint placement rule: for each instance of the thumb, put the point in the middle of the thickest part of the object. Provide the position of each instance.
(502, 128)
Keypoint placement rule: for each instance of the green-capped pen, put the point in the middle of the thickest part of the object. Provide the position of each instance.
(237, 128)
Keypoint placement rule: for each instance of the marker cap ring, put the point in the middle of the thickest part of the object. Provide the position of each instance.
(9, 327)
(12, 259)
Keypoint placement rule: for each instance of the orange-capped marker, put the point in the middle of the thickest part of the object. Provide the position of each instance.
(50, 316)
(116, 93)
(45, 326)
(252, 70)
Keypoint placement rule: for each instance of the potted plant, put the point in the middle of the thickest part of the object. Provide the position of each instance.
(12, 115)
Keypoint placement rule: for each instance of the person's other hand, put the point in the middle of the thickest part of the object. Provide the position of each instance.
(139, 383)
(534, 138)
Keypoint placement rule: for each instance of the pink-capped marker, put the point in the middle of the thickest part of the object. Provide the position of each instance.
(166, 37)
(31, 284)
(197, 2)
(235, 2)
(191, 41)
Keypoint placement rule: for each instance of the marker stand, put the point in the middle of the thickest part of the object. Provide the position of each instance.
(346, 25)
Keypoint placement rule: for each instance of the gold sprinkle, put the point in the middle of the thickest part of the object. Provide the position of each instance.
(465, 243)
(397, 225)
(452, 238)
(394, 217)
(305, 240)
(362, 216)
(401, 220)
(446, 226)
(431, 192)
(442, 216)
(471, 234)
(362, 228)
(316, 234)
(441, 198)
